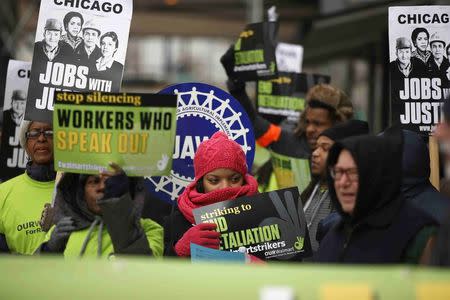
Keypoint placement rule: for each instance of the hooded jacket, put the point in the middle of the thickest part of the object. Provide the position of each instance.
(110, 233)
(383, 225)
(441, 250)
(416, 185)
(316, 189)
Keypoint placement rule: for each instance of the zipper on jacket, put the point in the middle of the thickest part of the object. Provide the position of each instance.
(348, 236)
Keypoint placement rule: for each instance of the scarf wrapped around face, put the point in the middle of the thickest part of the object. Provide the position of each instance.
(191, 199)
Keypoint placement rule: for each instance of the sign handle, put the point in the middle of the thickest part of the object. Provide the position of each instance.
(48, 212)
(434, 161)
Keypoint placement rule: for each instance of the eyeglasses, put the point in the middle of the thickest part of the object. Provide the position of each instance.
(352, 173)
(34, 134)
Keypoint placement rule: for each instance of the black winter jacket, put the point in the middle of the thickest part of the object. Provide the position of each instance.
(175, 226)
(382, 224)
(416, 185)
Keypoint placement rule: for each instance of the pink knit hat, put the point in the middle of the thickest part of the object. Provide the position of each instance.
(219, 152)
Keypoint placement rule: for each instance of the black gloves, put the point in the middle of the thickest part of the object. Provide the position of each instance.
(116, 186)
(227, 61)
(122, 221)
(120, 215)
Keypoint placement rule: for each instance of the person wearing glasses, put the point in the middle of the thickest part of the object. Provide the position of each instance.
(416, 185)
(23, 197)
(377, 224)
(316, 200)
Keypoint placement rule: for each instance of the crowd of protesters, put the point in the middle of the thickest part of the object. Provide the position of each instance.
(369, 201)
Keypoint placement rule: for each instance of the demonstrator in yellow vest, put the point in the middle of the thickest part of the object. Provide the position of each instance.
(22, 198)
(100, 216)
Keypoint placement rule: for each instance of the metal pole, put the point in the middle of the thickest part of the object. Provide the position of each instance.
(255, 11)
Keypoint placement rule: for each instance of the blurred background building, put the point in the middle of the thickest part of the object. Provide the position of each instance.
(174, 41)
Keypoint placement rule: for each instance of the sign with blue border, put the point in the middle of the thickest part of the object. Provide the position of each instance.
(202, 110)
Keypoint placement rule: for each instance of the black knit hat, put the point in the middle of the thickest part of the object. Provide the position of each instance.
(346, 129)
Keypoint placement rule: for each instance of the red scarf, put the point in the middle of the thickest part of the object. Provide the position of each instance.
(190, 199)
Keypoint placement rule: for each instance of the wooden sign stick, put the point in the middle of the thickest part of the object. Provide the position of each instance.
(434, 161)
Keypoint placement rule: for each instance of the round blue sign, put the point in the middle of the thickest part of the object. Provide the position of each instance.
(202, 110)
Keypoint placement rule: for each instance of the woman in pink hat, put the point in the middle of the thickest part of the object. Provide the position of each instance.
(220, 174)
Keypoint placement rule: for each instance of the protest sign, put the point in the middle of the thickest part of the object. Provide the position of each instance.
(419, 65)
(79, 46)
(291, 171)
(289, 57)
(269, 225)
(254, 52)
(202, 110)
(136, 131)
(285, 94)
(13, 158)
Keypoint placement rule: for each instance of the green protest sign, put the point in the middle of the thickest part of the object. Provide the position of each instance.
(254, 52)
(285, 94)
(290, 171)
(137, 131)
(276, 96)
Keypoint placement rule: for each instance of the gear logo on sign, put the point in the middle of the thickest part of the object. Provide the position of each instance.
(202, 110)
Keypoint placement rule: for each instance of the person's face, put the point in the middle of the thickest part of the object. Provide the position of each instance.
(437, 49)
(422, 41)
(404, 55)
(74, 26)
(94, 190)
(51, 38)
(40, 148)
(90, 37)
(18, 106)
(442, 131)
(317, 120)
(222, 178)
(320, 155)
(346, 181)
(108, 46)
